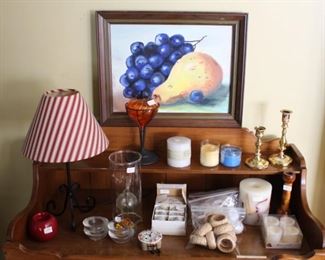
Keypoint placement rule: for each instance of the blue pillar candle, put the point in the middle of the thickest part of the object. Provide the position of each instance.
(230, 155)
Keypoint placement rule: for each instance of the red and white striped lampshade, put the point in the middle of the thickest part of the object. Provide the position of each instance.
(63, 129)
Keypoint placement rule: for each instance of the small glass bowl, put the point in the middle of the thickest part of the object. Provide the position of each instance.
(120, 235)
(95, 236)
(123, 227)
(95, 227)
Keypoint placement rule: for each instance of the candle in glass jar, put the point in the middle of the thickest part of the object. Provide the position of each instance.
(209, 154)
(179, 151)
(230, 155)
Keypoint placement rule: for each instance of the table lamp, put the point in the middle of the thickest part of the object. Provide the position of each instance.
(63, 131)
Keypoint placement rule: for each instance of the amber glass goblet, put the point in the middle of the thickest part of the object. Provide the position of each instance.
(142, 111)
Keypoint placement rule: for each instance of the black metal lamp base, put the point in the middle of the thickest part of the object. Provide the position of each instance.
(70, 200)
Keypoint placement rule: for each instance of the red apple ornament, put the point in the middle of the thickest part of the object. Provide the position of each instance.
(43, 226)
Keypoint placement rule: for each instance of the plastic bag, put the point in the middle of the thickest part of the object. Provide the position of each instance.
(235, 216)
(215, 233)
(218, 198)
(224, 202)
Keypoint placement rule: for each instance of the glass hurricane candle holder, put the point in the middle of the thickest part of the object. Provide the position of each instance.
(142, 111)
(126, 181)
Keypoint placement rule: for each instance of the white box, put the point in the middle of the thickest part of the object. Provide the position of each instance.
(169, 215)
(281, 231)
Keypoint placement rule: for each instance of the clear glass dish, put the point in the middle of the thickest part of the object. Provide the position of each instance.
(120, 235)
(95, 227)
(95, 236)
(123, 227)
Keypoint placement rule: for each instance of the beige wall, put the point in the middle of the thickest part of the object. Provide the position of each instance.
(51, 44)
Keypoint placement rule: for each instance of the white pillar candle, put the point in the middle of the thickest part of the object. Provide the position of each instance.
(255, 193)
(273, 235)
(209, 154)
(178, 151)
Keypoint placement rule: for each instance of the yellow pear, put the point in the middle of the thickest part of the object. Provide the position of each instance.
(194, 71)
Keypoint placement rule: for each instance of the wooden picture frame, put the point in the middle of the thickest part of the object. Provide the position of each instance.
(220, 37)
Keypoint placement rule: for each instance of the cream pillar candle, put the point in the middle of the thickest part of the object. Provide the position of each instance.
(255, 193)
(178, 151)
(209, 154)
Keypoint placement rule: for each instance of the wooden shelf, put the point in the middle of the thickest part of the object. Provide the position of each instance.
(77, 245)
(196, 168)
(94, 177)
(101, 163)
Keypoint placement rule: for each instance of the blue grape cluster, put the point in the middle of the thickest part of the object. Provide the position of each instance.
(149, 65)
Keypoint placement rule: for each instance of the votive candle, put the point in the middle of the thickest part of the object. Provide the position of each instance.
(274, 234)
(290, 235)
(271, 221)
(230, 155)
(287, 221)
(209, 153)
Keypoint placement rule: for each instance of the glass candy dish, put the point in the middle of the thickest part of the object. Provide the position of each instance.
(95, 236)
(95, 227)
(122, 229)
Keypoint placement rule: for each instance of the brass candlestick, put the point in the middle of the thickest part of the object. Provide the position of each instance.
(257, 162)
(281, 159)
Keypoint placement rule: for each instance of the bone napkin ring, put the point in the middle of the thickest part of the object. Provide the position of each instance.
(224, 228)
(233, 234)
(217, 220)
(198, 240)
(226, 243)
(211, 240)
(205, 228)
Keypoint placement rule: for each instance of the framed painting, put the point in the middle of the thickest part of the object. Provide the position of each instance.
(193, 63)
